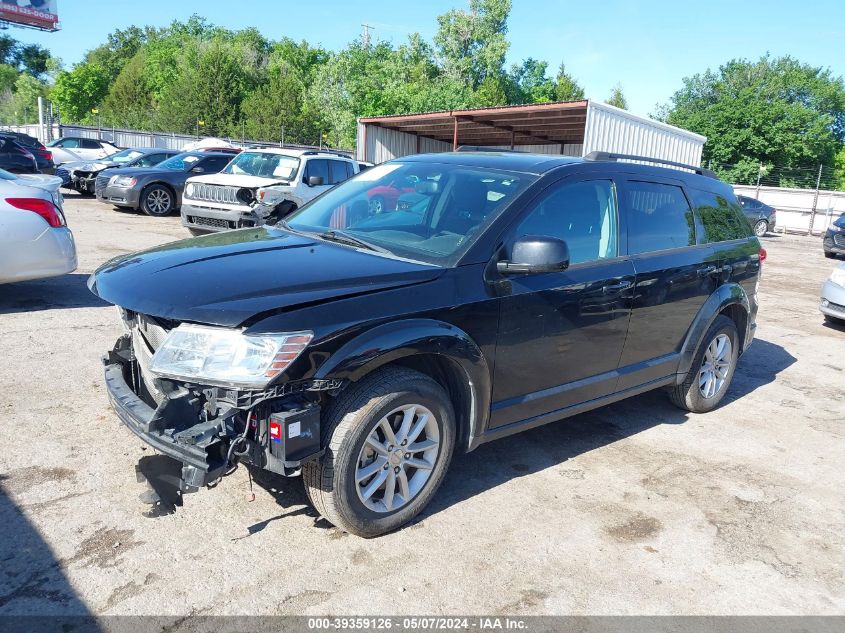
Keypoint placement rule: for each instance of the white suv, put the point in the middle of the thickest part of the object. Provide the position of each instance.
(260, 186)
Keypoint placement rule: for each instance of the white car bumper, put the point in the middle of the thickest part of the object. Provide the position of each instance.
(47, 252)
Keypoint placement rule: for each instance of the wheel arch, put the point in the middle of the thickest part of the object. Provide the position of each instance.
(437, 349)
(730, 300)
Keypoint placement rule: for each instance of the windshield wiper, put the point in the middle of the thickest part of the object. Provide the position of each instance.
(345, 238)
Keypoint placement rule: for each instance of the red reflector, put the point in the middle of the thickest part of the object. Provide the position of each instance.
(44, 208)
(763, 255)
(275, 431)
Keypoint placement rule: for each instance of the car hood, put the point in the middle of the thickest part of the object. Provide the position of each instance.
(229, 278)
(237, 180)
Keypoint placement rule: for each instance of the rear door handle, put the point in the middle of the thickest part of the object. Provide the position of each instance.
(622, 285)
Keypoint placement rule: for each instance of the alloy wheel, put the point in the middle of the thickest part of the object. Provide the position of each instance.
(715, 366)
(760, 228)
(397, 458)
(158, 201)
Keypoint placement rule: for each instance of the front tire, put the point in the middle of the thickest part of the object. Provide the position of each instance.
(712, 369)
(157, 201)
(389, 441)
(830, 255)
(761, 227)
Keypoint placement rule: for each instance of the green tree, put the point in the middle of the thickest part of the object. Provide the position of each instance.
(472, 44)
(778, 112)
(21, 104)
(528, 83)
(78, 91)
(617, 98)
(129, 103)
(566, 88)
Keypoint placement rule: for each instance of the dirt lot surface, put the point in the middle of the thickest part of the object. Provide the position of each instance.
(636, 508)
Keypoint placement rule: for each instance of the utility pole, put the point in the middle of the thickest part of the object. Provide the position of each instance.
(759, 174)
(815, 200)
(365, 35)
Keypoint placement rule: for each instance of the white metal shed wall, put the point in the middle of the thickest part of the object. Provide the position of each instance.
(610, 129)
(384, 144)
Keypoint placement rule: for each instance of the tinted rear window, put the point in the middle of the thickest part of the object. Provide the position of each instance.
(717, 218)
(659, 217)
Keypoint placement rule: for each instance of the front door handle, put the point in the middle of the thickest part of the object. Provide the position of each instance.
(622, 285)
(708, 270)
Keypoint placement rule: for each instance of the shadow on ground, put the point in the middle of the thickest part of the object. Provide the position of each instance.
(31, 580)
(66, 291)
(498, 462)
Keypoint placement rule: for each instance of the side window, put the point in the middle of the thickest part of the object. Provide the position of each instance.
(350, 171)
(214, 164)
(583, 214)
(149, 160)
(718, 219)
(87, 143)
(70, 143)
(338, 171)
(659, 217)
(318, 167)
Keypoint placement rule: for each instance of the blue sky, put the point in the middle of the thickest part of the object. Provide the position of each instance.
(645, 46)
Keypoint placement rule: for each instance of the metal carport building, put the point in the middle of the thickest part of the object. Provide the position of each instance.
(572, 128)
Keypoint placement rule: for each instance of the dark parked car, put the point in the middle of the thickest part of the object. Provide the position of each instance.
(833, 241)
(16, 158)
(156, 190)
(762, 217)
(82, 175)
(43, 157)
(362, 353)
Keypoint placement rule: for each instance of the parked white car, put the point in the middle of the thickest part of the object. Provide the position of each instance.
(73, 148)
(261, 186)
(35, 241)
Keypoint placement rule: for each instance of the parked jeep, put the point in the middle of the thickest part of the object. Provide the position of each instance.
(261, 186)
(362, 349)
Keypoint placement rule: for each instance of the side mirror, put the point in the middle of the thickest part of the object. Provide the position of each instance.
(197, 170)
(536, 254)
(315, 181)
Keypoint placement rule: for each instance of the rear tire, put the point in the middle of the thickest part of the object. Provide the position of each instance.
(157, 201)
(345, 484)
(712, 369)
(761, 227)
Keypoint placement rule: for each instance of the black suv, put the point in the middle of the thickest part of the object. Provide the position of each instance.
(362, 349)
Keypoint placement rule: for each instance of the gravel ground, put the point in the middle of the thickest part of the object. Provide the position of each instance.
(636, 508)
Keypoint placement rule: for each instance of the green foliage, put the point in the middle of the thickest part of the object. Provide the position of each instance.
(566, 88)
(473, 43)
(528, 83)
(778, 112)
(79, 91)
(617, 98)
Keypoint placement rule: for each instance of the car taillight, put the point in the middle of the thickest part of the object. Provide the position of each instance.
(763, 255)
(45, 154)
(44, 208)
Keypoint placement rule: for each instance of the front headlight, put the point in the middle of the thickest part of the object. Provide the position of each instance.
(189, 190)
(199, 353)
(123, 181)
(838, 276)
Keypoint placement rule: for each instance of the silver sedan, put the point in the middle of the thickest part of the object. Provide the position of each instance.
(35, 241)
(832, 302)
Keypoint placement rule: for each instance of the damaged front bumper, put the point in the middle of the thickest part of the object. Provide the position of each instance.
(208, 428)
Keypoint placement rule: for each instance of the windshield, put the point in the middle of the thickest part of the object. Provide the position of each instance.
(263, 164)
(125, 156)
(424, 211)
(840, 221)
(180, 162)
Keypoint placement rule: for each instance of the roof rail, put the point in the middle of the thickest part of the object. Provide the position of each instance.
(313, 152)
(647, 159)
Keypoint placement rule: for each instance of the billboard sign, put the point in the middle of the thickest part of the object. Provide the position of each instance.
(39, 14)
